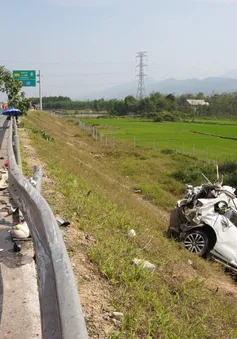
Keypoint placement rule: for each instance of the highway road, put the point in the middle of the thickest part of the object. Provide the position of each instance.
(19, 304)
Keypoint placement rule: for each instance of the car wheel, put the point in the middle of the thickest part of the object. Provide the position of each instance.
(196, 242)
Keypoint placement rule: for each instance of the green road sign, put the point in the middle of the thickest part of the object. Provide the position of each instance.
(27, 78)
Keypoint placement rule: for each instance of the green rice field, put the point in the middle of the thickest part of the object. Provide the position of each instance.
(179, 137)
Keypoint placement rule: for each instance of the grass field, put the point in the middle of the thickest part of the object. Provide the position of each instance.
(176, 136)
(186, 297)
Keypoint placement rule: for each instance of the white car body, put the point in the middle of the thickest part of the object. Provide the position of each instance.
(203, 212)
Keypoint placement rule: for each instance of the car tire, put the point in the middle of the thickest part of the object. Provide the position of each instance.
(197, 242)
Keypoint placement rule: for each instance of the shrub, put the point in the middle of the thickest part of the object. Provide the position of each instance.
(193, 174)
(167, 151)
(43, 134)
(228, 167)
(158, 118)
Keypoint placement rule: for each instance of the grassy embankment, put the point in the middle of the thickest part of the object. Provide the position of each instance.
(175, 136)
(181, 299)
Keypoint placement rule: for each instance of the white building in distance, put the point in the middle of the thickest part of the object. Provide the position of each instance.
(197, 102)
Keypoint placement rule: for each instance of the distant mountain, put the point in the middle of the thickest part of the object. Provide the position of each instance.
(193, 86)
(230, 75)
(118, 92)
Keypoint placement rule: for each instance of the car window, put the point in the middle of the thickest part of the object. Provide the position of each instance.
(232, 216)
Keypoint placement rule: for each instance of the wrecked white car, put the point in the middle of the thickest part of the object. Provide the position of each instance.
(206, 222)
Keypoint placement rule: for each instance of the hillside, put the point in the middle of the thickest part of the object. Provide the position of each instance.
(93, 184)
(221, 84)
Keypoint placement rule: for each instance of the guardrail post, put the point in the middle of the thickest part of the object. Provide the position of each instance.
(17, 149)
(16, 143)
(14, 126)
(37, 176)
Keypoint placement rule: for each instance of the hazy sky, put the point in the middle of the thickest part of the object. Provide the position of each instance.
(83, 46)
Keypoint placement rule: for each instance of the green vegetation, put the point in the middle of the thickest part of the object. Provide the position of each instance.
(196, 140)
(43, 134)
(12, 88)
(156, 106)
(181, 299)
(192, 173)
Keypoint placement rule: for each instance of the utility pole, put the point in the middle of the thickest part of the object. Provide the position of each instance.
(40, 89)
(141, 89)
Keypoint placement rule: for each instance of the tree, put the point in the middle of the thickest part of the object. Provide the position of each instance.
(8, 85)
(170, 97)
(23, 104)
(130, 104)
(119, 108)
(12, 88)
(200, 95)
(162, 104)
(155, 96)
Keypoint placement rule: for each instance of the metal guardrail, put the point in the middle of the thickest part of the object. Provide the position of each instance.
(61, 312)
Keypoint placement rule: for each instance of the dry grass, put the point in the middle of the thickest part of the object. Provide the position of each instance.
(178, 300)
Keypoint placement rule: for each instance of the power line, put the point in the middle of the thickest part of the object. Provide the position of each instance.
(141, 89)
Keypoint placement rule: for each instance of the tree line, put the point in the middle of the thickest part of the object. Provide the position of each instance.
(156, 105)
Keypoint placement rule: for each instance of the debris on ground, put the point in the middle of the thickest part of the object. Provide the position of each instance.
(62, 222)
(21, 231)
(5, 165)
(3, 179)
(132, 233)
(88, 193)
(6, 209)
(17, 246)
(117, 315)
(144, 264)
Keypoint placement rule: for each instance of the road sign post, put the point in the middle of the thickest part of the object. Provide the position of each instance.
(27, 78)
(40, 90)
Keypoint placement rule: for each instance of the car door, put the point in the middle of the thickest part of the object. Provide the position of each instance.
(226, 233)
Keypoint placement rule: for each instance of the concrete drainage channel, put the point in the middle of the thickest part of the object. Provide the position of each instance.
(61, 314)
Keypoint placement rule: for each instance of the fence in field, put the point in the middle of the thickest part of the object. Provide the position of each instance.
(179, 147)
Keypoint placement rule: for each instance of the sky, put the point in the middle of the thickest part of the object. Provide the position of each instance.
(85, 46)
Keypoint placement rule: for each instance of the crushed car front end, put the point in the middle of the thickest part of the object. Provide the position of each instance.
(205, 221)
